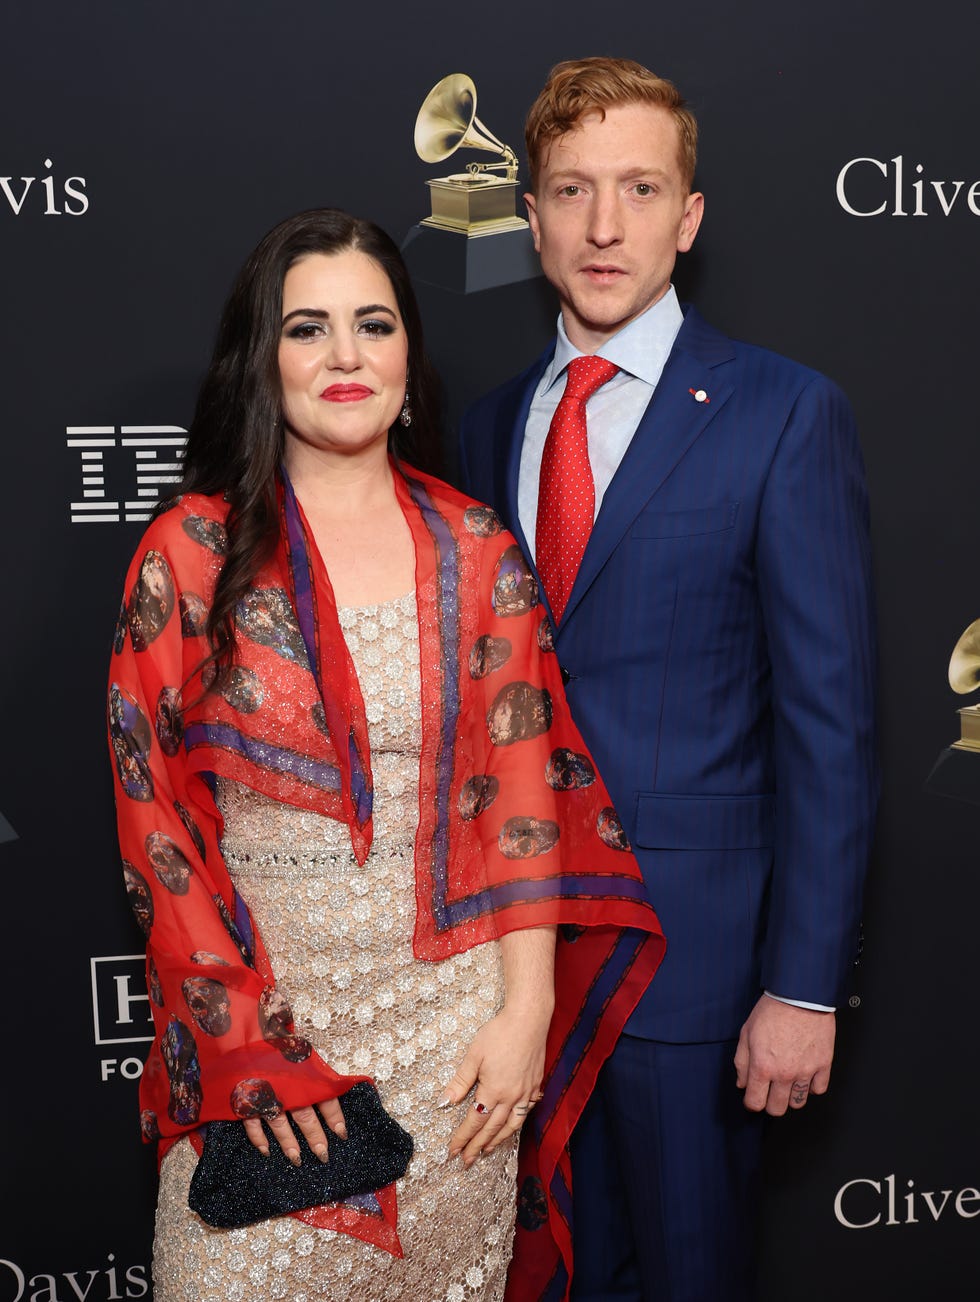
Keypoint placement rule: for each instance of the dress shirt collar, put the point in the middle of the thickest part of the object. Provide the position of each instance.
(639, 349)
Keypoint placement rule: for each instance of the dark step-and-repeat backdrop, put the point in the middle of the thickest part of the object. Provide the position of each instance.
(144, 149)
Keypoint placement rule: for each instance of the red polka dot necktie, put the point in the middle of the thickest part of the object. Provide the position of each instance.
(566, 491)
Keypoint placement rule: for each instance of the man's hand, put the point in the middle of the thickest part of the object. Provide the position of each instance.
(784, 1055)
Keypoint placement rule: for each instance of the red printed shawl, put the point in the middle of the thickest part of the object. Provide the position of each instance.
(515, 827)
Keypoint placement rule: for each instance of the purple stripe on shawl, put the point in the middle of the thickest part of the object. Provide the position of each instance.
(366, 1203)
(299, 564)
(263, 754)
(529, 890)
(562, 1196)
(608, 979)
(447, 620)
(363, 794)
(243, 925)
(555, 1290)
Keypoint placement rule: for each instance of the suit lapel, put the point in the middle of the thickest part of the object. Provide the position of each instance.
(512, 417)
(670, 425)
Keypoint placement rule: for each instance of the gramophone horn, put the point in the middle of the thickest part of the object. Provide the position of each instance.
(964, 663)
(447, 121)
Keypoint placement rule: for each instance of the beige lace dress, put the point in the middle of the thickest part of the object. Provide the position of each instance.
(339, 938)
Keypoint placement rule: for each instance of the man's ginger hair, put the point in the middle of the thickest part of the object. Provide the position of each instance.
(581, 86)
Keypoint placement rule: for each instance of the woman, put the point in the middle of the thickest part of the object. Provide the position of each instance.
(353, 810)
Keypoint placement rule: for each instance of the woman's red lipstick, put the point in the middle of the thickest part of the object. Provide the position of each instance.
(345, 393)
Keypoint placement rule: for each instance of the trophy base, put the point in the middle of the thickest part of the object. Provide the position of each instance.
(450, 259)
(476, 204)
(955, 775)
(474, 230)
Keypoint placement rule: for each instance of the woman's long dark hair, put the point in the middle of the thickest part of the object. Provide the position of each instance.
(236, 440)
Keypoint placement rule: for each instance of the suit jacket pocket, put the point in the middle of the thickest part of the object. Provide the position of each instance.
(670, 822)
(685, 524)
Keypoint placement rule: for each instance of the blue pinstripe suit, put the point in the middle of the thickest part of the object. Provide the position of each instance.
(720, 652)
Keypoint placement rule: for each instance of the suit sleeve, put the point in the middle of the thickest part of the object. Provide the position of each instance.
(224, 1043)
(815, 587)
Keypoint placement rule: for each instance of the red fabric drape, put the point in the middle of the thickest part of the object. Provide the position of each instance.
(515, 828)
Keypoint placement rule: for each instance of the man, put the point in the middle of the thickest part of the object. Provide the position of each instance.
(701, 536)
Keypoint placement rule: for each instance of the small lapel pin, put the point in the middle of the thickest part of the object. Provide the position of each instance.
(699, 395)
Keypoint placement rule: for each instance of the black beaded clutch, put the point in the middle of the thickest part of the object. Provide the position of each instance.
(233, 1184)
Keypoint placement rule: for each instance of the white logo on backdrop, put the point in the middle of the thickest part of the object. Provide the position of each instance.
(120, 1005)
(120, 1011)
(42, 195)
(139, 464)
(82, 1283)
(861, 1204)
(876, 187)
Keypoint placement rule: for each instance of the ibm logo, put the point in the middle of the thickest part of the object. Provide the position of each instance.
(122, 477)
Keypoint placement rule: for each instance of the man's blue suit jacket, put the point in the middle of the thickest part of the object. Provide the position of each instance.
(719, 649)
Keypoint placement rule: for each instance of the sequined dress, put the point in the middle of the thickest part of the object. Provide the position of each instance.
(339, 938)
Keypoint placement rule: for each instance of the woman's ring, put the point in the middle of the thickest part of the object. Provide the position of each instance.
(481, 1108)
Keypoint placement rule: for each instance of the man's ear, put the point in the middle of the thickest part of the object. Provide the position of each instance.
(693, 212)
(532, 216)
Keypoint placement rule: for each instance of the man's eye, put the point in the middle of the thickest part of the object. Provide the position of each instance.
(570, 190)
(643, 188)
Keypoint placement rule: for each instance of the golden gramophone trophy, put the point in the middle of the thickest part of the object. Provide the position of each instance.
(964, 676)
(472, 238)
(474, 202)
(954, 773)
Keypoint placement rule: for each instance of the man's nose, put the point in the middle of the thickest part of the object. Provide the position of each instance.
(605, 220)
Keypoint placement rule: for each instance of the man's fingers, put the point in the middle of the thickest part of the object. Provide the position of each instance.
(756, 1093)
(820, 1083)
(741, 1061)
(778, 1099)
(799, 1092)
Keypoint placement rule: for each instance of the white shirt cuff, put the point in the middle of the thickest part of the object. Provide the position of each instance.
(801, 1003)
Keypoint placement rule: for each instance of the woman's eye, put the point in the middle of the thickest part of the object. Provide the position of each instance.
(305, 330)
(377, 329)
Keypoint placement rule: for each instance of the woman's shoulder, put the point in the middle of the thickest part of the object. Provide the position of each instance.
(188, 532)
(176, 518)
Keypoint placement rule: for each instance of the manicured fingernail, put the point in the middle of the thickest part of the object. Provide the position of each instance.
(321, 1151)
(340, 1129)
(445, 1101)
(454, 1152)
(294, 1157)
(264, 1149)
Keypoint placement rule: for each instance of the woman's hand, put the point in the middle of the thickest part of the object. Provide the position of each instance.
(506, 1063)
(308, 1120)
(506, 1058)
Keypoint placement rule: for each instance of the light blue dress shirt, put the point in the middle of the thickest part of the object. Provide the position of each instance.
(640, 350)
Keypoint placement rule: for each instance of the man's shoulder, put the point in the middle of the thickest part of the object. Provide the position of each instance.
(714, 348)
